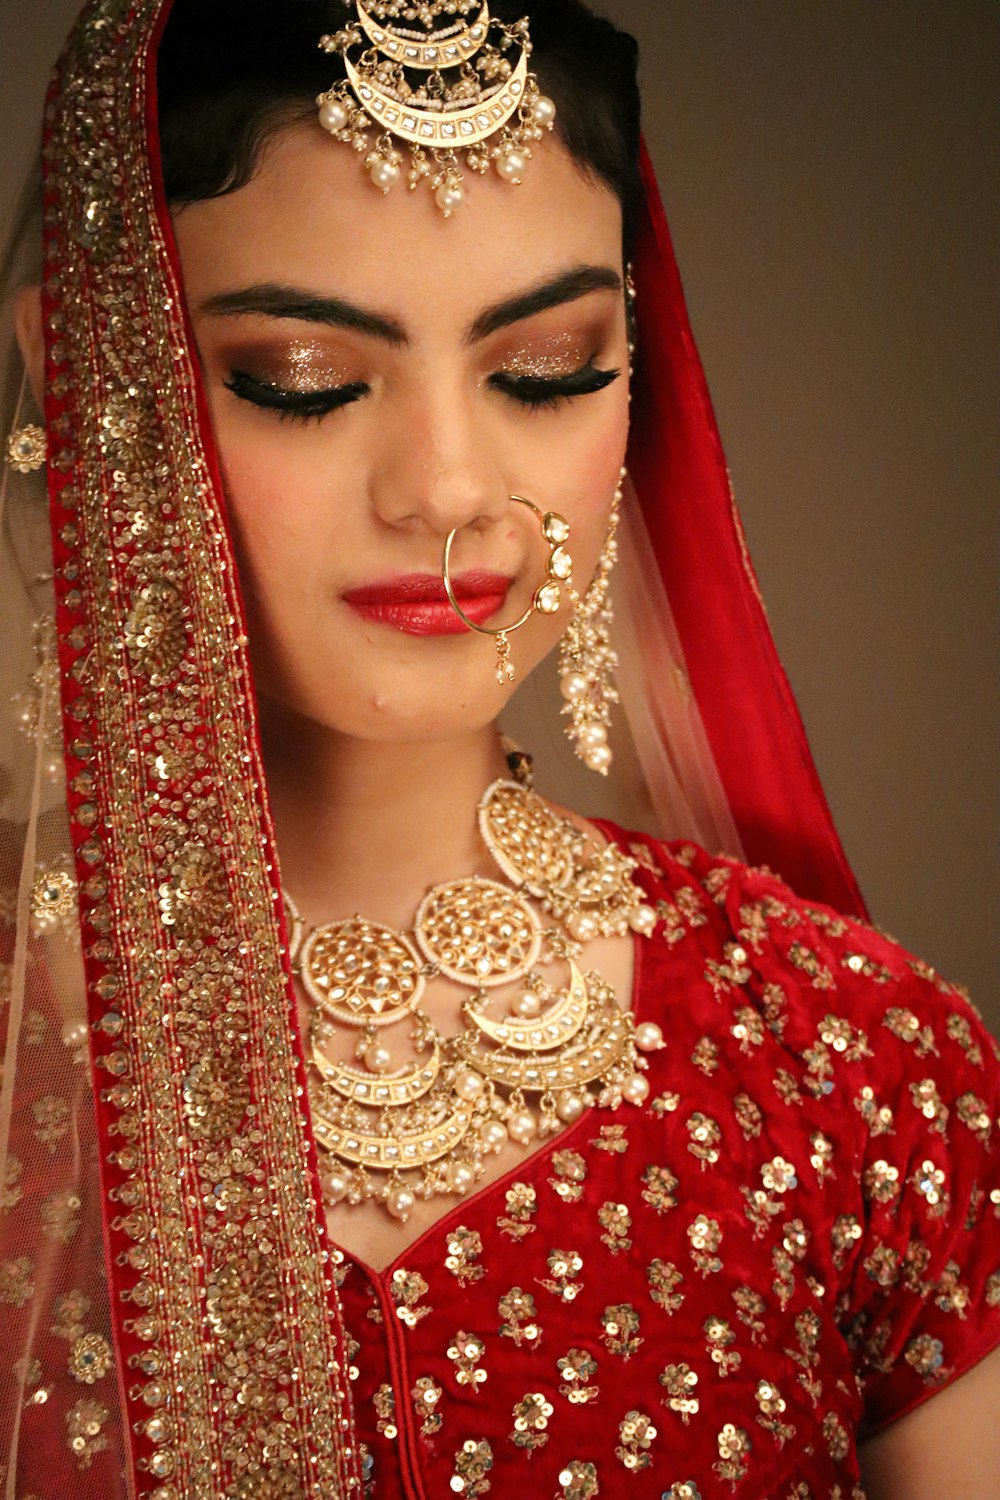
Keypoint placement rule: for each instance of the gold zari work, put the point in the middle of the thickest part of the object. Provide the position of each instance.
(195, 1058)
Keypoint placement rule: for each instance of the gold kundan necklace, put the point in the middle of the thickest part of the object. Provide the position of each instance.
(398, 1134)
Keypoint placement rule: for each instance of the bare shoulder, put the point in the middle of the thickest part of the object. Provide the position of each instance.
(949, 1445)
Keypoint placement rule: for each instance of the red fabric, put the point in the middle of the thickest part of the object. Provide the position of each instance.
(679, 468)
(777, 1017)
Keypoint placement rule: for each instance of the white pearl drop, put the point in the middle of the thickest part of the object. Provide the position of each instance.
(569, 1108)
(377, 1059)
(461, 1177)
(333, 116)
(598, 758)
(335, 1188)
(582, 926)
(522, 1128)
(643, 919)
(468, 1086)
(494, 1134)
(449, 196)
(592, 735)
(512, 167)
(400, 1203)
(648, 1037)
(543, 111)
(384, 174)
(636, 1089)
(527, 1005)
(574, 686)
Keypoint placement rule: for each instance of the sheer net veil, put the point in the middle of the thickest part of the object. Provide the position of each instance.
(168, 1306)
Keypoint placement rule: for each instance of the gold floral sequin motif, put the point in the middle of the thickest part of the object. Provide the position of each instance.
(720, 1338)
(521, 1204)
(975, 1116)
(779, 1175)
(85, 1436)
(734, 1451)
(930, 1104)
(60, 1216)
(881, 1181)
(926, 1355)
(750, 1309)
(664, 1279)
(464, 1249)
(929, 1181)
(578, 1481)
(772, 1409)
(16, 1281)
(466, 1351)
(407, 1289)
(576, 1368)
(51, 1115)
(473, 1462)
(679, 1384)
(570, 1170)
(906, 1026)
(705, 1056)
(426, 1396)
(878, 1117)
(748, 1116)
(519, 1317)
(531, 1420)
(563, 1266)
(682, 1489)
(706, 1237)
(636, 1434)
(960, 1031)
(621, 1329)
(659, 1188)
(615, 1220)
(705, 1137)
(384, 1402)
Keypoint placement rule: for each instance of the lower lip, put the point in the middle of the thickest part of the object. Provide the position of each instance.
(431, 618)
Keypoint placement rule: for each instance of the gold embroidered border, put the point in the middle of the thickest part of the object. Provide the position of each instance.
(227, 1317)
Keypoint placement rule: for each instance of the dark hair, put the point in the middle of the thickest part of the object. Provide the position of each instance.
(233, 72)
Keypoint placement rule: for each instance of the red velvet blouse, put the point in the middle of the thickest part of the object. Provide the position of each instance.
(794, 1242)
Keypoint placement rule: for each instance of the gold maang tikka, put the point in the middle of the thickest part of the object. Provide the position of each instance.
(444, 79)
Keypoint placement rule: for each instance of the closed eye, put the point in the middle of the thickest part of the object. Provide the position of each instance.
(538, 391)
(303, 406)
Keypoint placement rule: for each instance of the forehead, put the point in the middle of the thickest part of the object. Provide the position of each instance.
(311, 217)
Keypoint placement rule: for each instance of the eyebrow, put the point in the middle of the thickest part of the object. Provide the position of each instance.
(273, 300)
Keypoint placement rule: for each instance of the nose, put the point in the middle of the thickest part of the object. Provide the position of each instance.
(436, 469)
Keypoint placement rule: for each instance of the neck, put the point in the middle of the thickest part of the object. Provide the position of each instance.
(367, 828)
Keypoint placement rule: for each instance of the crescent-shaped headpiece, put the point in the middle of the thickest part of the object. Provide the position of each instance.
(457, 94)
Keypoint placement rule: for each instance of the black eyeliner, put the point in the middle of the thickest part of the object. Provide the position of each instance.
(304, 404)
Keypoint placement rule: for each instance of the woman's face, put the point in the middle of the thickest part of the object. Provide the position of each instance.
(379, 376)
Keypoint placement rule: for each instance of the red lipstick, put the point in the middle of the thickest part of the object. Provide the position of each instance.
(417, 603)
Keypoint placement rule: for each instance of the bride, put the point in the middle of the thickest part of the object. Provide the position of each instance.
(373, 1121)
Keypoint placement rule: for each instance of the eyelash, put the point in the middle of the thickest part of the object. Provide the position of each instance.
(534, 392)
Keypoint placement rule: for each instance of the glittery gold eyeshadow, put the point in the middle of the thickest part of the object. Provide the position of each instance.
(553, 356)
(303, 368)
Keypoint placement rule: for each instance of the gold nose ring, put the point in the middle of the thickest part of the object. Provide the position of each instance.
(546, 599)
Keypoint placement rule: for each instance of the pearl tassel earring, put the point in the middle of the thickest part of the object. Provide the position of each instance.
(587, 660)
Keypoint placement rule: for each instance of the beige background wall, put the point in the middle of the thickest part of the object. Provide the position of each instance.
(827, 169)
(829, 172)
